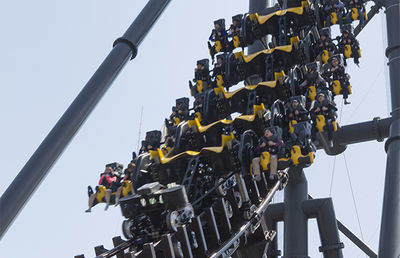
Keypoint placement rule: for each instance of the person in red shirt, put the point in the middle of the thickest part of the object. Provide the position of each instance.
(107, 179)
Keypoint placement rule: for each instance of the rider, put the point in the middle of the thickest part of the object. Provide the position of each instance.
(325, 43)
(151, 142)
(218, 34)
(106, 179)
(348, 38)
(272, 143)
(313, 78)
(359, 5)
(201, 73)
(336, 71)
(236, 27)
(219, 67)
(323, 106)
(235, 30)
(128, 174)
(296, 111)
(333, 6)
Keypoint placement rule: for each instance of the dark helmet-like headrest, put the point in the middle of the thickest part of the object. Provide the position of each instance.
(204, 62)
(347, 28)
(220, 22)
(326, 32)
(337, 57)
(238, 18)
(313, 66)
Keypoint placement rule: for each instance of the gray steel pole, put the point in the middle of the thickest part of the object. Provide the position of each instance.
(295, 221)
(323, 211)
(34, 171)
(390, 225)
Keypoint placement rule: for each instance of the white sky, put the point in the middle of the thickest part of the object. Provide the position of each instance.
(50, 49)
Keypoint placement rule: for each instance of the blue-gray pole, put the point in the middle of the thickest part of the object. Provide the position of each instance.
(389, 242)
(34, 171)
(295, 243)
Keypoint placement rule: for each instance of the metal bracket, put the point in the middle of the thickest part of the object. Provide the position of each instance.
(129, 43)
(390, 49)
(331, 247)
(375, 126)
(390, 140)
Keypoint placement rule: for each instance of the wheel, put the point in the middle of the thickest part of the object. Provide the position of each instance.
(229, 209)
(238, 199)
(172, 220)
(126, 229)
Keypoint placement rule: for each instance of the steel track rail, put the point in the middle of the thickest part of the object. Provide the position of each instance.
(252, 224)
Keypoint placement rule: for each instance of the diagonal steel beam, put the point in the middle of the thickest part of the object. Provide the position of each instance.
(36, 169)
(353, 238)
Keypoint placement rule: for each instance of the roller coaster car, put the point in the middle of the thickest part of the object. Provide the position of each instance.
(301, 150)
(235, 32)
(154, 211)
(278, 114)
(218, 74)
(214, 108)
(348, 50)
(315, 81)
(337, 87)
(334, 18)
(140, 175)
(355, 14)
(248, 142)
(117, 168)
(219, 37)
(321, 123)
(327, 50)
(201, 77)
(281, 24)
(296, 75)
(335, 12)
(187, 139)
(265, 63)
(101, 192)
(193, 136)
(154, 138)
(326, 121)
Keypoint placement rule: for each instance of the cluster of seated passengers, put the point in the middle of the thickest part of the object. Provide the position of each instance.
(226, 40)
(347, 45)
(299, 126)
(336, 11)
(111, 184)
(321, 81)
(332, 77)
(332, 58)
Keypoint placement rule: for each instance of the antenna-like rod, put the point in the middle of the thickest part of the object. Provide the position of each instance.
(140, 130)
(34, 171)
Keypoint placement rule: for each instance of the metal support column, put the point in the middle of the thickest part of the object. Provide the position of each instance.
(323, 211)
(273, 215)
(35, 170)
(390, 224)
(295, 221)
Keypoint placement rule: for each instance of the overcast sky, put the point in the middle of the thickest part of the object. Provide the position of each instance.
(50, 49)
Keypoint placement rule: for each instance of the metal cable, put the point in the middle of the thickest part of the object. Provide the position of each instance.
(352, 194)
(365, 95)
(334, 161)
(333, 173)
